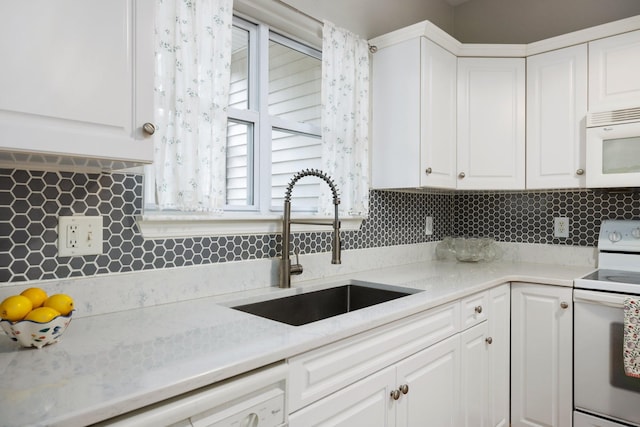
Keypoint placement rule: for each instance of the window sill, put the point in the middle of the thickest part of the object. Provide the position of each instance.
(162, 225)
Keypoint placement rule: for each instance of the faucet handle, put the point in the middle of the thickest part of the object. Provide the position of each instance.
(297, 267)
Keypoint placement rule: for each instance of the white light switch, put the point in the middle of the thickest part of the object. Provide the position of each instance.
(428, 226)
(79, 235)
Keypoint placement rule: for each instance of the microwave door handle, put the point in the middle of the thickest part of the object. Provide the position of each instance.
(601, 298)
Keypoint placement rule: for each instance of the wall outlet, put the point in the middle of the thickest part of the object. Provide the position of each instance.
(79, 235)
(428, 226)
(561, 227)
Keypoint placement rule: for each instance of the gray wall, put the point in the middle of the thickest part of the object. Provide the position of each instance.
(371, 18)
(474, 21)
(526, 21)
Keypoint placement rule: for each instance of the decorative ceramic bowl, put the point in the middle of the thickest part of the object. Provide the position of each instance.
(33, 334)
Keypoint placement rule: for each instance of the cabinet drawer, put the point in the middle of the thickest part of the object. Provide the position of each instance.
(474, 309)
(318, 373)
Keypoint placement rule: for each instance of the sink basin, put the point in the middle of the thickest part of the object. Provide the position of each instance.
(309, 307)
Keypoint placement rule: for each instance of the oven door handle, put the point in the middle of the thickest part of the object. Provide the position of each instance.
(603, 298)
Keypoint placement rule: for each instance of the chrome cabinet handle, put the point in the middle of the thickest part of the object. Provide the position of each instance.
(395, 394)
(428, 171)
(404, 388)
(580, 172)
(489, 340)
(564, 305)
(478, 309)
(461, 175)
(149, 128)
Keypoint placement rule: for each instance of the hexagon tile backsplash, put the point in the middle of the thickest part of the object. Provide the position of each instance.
(31, 201)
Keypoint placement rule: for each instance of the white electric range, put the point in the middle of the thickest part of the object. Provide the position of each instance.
(604, 396)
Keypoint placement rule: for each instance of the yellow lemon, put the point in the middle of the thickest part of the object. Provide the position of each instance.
(15, 307)
(61, 302)
(42, 315)
(36, 295)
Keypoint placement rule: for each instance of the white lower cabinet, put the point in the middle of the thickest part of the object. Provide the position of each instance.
(365, 403)
(499, 355)
(432, 377)
(474, 405)
(541, 355)
(438, 368)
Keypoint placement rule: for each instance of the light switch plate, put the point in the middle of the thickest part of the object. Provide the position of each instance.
(80, 235)
(428, 226)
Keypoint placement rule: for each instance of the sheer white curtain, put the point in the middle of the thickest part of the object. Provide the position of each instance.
(345, 119)
(193, 56)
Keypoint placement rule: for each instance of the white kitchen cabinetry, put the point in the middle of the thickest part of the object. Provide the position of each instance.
(491, 123)
(614, 72)
(541, 355)
(365, 403)
(475, 376)
(485, 353)
(433, 380)
(556, 114)
(414, 116)
(433, 368)
(430, 379)
(76, 83)
(499, 355)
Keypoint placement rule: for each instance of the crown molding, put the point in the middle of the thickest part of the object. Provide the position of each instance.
(437, 35)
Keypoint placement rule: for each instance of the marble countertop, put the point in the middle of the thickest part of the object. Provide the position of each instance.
(113, 363)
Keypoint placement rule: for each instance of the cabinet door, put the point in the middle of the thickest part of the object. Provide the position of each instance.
(541, 355)
(367, 403)
(395, 152)
(474, 388)
(556, 114)
(72, 80)
(438, 127)
(491, 123)
(414, 116)
(499, 354)
(614, 72)
(433, 380)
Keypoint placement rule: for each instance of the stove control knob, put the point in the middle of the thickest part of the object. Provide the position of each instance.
(614, 236)
(636, 233)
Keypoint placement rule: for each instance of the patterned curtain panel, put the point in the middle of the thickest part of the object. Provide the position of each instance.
(193, 56)
(345, 119)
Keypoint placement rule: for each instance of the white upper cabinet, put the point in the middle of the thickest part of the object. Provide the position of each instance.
(76, 83)
(556, 114)
(491, 123)
(413, 125)
(438, 127)
(614, 72)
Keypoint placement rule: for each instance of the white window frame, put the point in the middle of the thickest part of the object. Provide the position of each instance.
(259, 218)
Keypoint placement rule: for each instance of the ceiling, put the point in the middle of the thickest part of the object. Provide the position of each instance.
(456, 2)
(471, 21)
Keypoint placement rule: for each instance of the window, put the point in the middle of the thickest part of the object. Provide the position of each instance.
(273, 131)
(274, 120)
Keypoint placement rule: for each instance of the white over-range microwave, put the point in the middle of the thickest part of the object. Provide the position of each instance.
(613, 148)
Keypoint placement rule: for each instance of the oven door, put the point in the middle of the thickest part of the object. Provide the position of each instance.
(601, 387)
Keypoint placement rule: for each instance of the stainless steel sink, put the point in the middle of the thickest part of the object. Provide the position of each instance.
(310, 307)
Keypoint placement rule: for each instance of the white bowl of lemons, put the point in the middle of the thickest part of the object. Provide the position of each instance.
(34, 319)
